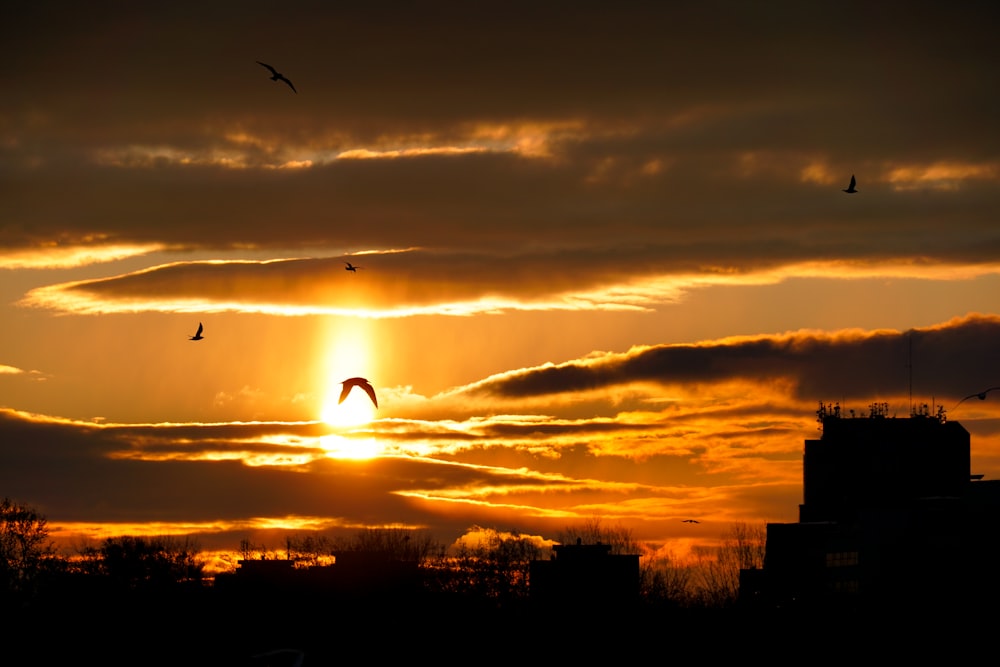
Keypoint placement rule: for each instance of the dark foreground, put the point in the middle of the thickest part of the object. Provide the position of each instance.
(205, 629)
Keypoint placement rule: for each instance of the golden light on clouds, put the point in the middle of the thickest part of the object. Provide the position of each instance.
(84, 530)
(243, 149)
(368, 154)
(941, 175)
(821, 173)
(308, 288)
(533, 139)
(71, 256)
(341, 447)
(945, 175)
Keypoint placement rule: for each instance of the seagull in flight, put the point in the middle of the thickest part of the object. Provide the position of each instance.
(197, 335)
(690, 521)
(850, 189)
(980, 395)
(351, 267)
(278, 76)
(349, 383)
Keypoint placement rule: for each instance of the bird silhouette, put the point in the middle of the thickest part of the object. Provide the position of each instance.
(690, 521)
(980, 395)
(197, 335)
(351, 267)
(278, 76)
(349, 383)
(850, 189)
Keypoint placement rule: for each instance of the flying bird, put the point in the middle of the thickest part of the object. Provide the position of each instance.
(351, 267)
(197, 335)
(690, 521)
(980, 395)
(850, 189)
(278, 76)
(357, 382)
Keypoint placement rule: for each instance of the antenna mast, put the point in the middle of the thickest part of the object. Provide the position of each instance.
(909, 365)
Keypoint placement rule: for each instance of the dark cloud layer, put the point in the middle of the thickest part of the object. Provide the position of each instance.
(655, 126)
(436, 281)
(455, 60)
(947, 362)
(77, 473)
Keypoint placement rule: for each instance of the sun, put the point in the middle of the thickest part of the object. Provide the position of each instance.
(348, 356)
(357, 408)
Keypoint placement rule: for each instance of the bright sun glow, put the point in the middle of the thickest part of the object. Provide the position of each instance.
(348, 356)
(357, 408)
(339, 447)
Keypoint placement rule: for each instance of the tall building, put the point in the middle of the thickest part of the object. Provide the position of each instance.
(891, 518)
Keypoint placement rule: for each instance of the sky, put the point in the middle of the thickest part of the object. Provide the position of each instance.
(605, 265)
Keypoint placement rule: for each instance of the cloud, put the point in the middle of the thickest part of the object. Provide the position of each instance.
(133, 473)
(698, 147)
(423, 281)
(37, 376)
(675, 427)
(71, 253)
(815, 365)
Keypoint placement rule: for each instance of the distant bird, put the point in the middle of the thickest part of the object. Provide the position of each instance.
(357, 382)
(197, 335)
(850, 189)
(690, 521)
(351, 267)
(981, 396)
(278, 76)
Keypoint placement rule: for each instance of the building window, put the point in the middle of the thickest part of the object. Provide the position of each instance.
(841, 558)
(845, 587)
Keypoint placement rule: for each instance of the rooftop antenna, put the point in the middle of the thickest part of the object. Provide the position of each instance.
(909, 365)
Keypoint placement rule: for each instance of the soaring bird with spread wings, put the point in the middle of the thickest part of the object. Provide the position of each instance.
(850, 189)
(278, 76)
(197, 335)
(350, 383)
(980, 395)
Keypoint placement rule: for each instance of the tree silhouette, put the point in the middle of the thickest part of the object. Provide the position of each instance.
(665, 582)
(399, 544)
(25, 550)
(310, 550)
(718, 572)
(492, 565)
(594, 531)
(145, 563)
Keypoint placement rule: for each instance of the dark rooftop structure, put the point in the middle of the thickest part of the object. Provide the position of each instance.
(585, 576)
(891, 518)
(860, 464)
(356, 573)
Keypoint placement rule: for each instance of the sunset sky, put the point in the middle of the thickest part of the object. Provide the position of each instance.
(607, 269)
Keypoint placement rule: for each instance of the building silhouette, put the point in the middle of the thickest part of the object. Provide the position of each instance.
(585, 576)
(891, 518)
(366, 574)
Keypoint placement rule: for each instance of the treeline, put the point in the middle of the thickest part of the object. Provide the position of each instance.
(489, 566)
(31, 568)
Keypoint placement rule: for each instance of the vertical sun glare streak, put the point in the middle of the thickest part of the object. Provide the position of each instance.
(348, 355)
